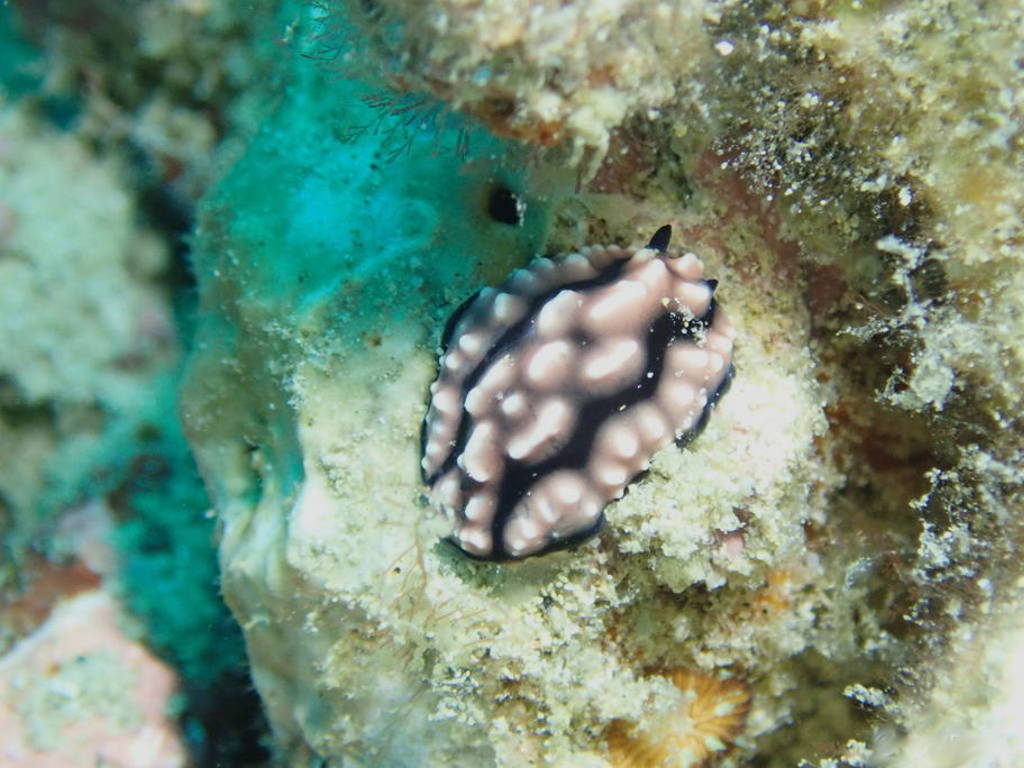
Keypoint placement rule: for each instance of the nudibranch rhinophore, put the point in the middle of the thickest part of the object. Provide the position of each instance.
(557, 388)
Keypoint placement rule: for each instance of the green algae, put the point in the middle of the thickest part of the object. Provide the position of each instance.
(166, 539)
(19, 60)
(371, 239)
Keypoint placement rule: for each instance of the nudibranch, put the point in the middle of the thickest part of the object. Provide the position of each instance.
(557, 388)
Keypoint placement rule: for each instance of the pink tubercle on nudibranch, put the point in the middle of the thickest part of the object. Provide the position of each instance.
(557, 388)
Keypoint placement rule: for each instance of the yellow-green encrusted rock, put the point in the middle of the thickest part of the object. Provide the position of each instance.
(851, 509)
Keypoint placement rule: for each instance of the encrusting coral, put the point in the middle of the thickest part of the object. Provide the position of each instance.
(81, 691)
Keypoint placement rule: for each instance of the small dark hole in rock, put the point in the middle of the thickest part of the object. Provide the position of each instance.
(506, 206)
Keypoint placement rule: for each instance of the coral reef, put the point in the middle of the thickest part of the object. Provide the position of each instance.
(830, 574)
(80, 691)
(112, 133)
(850, 172)
(543, 72)
(72, 360)
(370, 642)
(164, 81)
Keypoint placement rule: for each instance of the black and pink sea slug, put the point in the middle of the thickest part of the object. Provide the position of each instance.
(557, 388)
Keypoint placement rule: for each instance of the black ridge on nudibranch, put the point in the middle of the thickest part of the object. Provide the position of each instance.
(453, 320)
(555, 391)
(660, 240)
(694, 432)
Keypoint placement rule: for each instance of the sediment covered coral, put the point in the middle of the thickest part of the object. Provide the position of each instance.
(305, 397)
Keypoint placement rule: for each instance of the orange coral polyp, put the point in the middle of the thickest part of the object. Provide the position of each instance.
(701, 729)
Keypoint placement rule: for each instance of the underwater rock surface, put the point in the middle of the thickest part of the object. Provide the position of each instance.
(325, 278)
(543, 72)
(847, 518)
